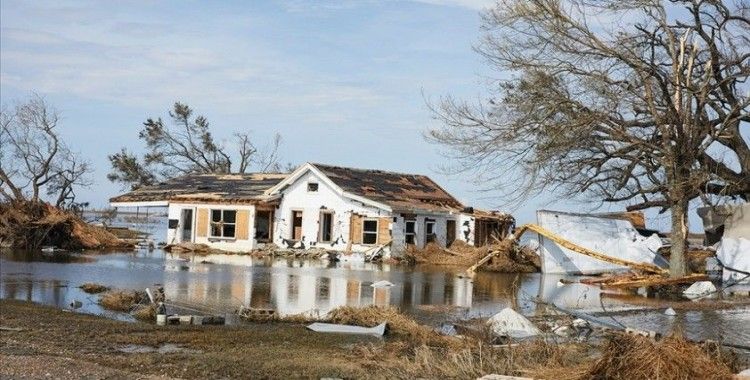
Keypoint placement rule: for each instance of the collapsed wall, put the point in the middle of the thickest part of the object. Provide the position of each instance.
(729, 228)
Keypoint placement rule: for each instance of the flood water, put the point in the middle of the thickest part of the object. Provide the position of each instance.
(221, 283)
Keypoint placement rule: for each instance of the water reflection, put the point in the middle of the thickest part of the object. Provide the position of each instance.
(312, 287)
(221, 283)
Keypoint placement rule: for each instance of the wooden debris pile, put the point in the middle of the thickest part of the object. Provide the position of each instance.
(31, 225)
(505, 258)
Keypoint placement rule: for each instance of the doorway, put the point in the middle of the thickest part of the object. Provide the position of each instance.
(297, 225)
(186, 222)
(450, 232)
(326, 227)
(263, 226)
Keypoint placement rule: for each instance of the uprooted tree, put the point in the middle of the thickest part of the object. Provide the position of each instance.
(37, 166)
(636, 101)
(188, 147)
(34, 159)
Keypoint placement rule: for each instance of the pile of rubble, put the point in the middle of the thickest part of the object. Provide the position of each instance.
(32, 225)
(508, 257)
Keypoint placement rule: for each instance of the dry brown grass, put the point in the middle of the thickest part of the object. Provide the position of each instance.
(399, 325)
(121, 300)
(475, 359)
(93, 288)
(636, 357)
(146, 313)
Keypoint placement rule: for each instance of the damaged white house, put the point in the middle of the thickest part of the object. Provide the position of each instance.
(331, 207)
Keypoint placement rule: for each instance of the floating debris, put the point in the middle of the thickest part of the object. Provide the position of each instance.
(382, 284)
(700, 289)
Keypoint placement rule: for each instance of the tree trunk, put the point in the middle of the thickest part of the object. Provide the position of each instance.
(677, 266)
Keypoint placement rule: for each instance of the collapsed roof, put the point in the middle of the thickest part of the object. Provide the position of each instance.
(402, 192)
(232, 188)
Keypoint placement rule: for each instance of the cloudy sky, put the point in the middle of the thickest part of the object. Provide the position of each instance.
(344, 83)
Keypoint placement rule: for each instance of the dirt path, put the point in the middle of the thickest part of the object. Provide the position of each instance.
(62, 345)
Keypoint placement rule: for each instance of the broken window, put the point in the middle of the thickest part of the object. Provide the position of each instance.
(411, 232)
(223, 223)
(312, 186)
(429, 230)
(370, 231)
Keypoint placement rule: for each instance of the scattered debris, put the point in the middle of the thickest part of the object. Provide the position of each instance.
(256, 314)
(93, 288)
(636, 280)
(191, 247)
(378, 330)
(700, 289)
(176, 319)
(76, 304)
(510, 324)
(504, 257)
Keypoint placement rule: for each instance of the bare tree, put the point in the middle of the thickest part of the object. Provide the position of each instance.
(185, 147)
(636, 101)
(33, 157)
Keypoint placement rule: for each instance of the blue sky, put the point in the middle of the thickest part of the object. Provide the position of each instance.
(343, 82)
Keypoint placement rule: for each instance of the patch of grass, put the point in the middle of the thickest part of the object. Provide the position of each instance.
(93, 288)
(538, 359)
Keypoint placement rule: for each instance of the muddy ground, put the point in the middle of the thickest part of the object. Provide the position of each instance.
(43, 342)
(64, 345)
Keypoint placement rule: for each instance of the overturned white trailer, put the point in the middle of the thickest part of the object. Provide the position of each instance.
(608, 235)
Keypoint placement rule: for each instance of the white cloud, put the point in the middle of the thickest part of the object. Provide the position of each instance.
(111, 60)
